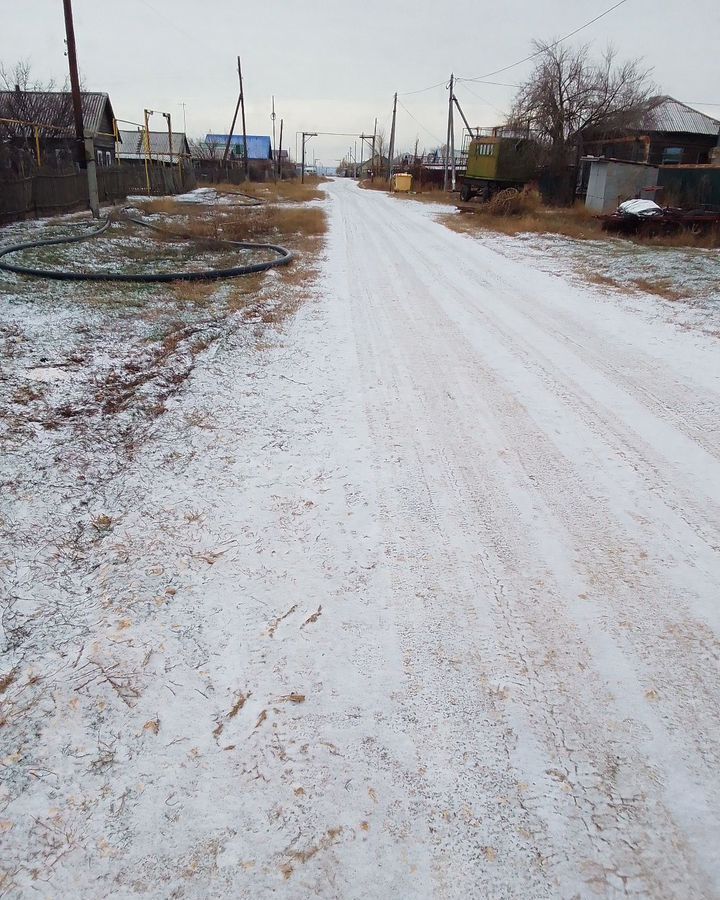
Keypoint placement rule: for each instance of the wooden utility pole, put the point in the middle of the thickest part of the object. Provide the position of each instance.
(242, 107)
(85, 148)
(75, 83)
(392, 140)
(372, 164)
(232, 128)
(147, 113)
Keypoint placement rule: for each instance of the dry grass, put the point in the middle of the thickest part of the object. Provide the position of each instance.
(512, 202)
(293, 191)
(166, 206)
(268, 223)
(708, 240)
(193, 293)
(575, 223)
(658, 287)
(512, 212)
(661, 287)
(379, 184)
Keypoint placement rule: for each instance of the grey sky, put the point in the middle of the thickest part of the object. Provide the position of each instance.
(335, 70)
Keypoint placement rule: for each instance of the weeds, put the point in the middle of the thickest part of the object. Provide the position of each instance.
(525, 216)
(282, 191)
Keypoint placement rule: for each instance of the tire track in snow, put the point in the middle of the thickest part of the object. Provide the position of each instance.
(403, 329)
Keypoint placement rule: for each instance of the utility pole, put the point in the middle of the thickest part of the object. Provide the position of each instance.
(147, 113)
(75, 83)
(452, 131)
(467, 124)
(392, 140)
(242, 106)
(85, 152)
(279, 159)
(449, 136)
(306, 135)
(184, 119)
(169, 124)
(372, 164)
(232, 128)
(274, 145)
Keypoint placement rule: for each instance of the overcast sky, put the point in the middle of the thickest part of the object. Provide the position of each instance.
(335, 70)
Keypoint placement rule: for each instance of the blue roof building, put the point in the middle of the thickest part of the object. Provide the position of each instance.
(259, 146)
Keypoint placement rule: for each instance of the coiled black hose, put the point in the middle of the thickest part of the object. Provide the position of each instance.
(283, 258)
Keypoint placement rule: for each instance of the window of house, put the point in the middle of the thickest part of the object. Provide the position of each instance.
(672, 156)
(99, 157)
(108, 158)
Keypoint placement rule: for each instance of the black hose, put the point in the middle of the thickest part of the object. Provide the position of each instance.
(284, 257)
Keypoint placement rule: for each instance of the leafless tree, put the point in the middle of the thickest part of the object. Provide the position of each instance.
(200, 149)
(380, 143)
(569, 93)
(29, 99)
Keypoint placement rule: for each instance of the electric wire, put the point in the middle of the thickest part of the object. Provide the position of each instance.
(550, 46)
(433, 136)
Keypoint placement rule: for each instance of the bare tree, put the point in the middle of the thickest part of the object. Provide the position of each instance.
(27, 97)
(569, 93)
(380, 142)
(24, 98)
(200, 149)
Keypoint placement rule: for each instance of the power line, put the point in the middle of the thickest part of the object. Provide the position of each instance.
(550, 46)
(512, 84)
(433, 136)
(486, 102)
(422, 90)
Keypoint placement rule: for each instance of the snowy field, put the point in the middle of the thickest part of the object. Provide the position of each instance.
(403, 587)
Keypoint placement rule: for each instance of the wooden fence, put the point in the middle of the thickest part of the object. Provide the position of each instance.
(52, 192)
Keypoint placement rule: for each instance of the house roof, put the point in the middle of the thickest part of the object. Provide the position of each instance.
(55, 108)
(259, 146)
(133, 144)
(670, 115)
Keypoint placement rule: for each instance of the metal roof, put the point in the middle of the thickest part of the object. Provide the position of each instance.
(133, 144)
(259, 146)
(670, 115)
(55, 108)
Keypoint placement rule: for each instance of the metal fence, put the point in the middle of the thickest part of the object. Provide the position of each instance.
(690, 186)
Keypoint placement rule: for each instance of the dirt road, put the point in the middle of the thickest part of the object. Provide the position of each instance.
(444, 614)
(548, 486)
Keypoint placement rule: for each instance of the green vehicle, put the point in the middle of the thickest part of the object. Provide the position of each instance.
(497, 161)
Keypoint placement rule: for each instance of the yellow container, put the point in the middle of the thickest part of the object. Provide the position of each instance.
(402, 182)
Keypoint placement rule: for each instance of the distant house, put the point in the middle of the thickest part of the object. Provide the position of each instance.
(259, 146)
(669, 133)
(133, 146)
(30, 110)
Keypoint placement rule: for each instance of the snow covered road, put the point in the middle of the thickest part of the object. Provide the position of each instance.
(549, 489)
(430, 609)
